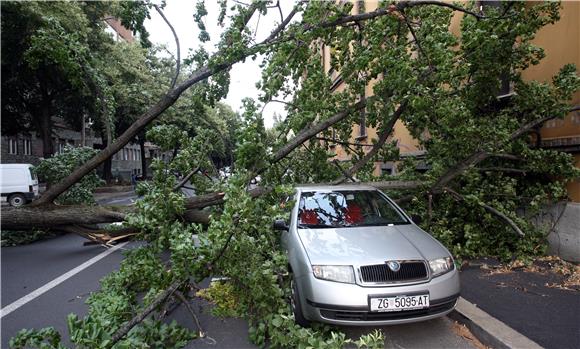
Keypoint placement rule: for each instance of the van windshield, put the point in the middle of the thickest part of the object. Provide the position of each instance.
(354, 208)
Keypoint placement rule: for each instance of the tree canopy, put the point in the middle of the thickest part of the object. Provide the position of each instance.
(58, 61)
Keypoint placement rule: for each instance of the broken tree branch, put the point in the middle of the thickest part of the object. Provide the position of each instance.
(122, 332)
(185, 302)
(388, 128)
(336, 141)
(211, 264)
(342, 170)
(178, 58)
(312, 131)
(506, 156)
(512, 224)
(185, 179)
(479, 156)
(502, 169)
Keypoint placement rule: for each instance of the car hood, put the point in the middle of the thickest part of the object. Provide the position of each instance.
(369, 245)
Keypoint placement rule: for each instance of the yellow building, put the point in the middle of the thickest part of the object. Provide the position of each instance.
(561, 42)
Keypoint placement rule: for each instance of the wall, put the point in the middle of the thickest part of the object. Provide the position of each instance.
(561, 43)
(562, 221)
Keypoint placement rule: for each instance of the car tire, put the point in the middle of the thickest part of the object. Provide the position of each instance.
(16, 200)
(296, 305)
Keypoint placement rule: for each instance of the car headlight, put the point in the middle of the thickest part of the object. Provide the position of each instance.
(339, 273)
(441, 266)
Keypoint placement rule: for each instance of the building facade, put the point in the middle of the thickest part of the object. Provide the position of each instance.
(561, 42)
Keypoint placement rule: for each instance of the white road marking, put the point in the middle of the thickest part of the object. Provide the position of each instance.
(39, 291)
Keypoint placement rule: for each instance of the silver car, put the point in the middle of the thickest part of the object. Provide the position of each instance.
(357, 259)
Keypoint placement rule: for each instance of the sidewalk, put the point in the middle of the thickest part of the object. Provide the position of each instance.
(542, 302)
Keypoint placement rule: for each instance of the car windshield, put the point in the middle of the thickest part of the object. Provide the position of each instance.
(346, 208)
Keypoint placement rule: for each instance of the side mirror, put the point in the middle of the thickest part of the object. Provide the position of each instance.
(280, 224)
(416, 219)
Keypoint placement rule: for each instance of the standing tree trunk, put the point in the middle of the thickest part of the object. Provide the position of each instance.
(46, 131)
(107, 165)
(46, 124)
(141, 139)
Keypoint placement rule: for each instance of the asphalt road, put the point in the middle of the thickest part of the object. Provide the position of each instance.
(29, 267)
(120, 199)
(547, 315)
(26, 268)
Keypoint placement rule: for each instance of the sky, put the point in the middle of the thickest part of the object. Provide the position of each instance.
(243, 75)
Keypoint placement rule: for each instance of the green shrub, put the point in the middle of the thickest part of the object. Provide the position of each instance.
(54, 169)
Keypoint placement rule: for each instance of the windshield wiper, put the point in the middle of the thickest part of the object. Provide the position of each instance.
(306, 225)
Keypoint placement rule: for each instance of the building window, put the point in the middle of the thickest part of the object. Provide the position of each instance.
(27, 147)
(12, 146)
(61, 145)
(387, 169)
(554, 123)
(386, 172)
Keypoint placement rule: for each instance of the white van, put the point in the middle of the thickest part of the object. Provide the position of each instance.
(18, 183)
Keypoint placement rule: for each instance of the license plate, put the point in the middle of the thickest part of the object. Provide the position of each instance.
(400, 303)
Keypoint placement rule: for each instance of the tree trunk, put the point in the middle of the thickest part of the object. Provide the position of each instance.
(141, 139)
(107, 165)
(55, 216)
(24, 218)
(46, 127)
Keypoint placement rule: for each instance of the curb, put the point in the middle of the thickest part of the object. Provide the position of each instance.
(489, 330)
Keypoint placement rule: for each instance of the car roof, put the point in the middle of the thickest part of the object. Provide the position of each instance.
(15, 165)
(329, 187)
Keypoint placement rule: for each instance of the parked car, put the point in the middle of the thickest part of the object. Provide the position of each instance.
(357, 259)
(18, 183)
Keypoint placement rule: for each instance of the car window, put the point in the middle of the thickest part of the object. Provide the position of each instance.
(32, 174)
(353, 208)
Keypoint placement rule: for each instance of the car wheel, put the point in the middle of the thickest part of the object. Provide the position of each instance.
(296, 304)
(16, 200)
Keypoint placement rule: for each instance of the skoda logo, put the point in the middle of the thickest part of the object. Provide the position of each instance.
(394, 265)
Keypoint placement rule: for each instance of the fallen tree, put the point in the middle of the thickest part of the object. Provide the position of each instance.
(59, 216)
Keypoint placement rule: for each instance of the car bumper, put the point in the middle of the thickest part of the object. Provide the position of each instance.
(348, 304)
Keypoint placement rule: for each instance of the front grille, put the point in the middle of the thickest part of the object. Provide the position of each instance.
(381, 273)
